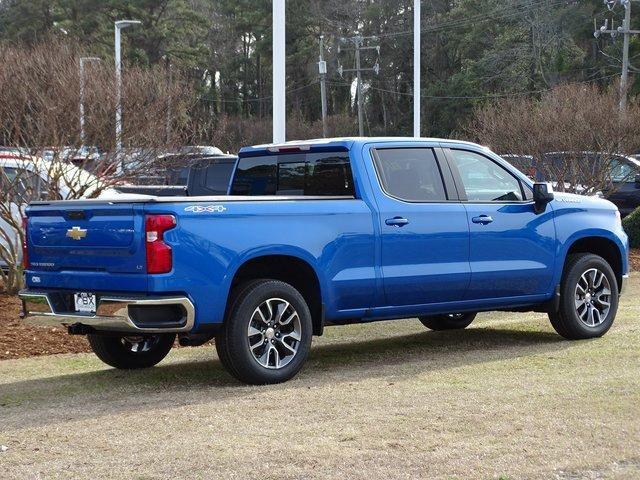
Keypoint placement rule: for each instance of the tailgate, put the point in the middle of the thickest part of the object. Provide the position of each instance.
(86, 237)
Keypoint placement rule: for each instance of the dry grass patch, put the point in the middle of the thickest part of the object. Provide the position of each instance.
(507, 397)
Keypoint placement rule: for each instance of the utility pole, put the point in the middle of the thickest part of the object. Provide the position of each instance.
(83, 60)
(322, 69)
(625, 30)
(279, 71)
(358, 43)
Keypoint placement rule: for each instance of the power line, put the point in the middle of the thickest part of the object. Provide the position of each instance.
(475, 97)
(498, 14)
(627, 32)
(259, 99)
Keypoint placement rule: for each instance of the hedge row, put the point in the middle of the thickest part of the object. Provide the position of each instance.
(631, 225)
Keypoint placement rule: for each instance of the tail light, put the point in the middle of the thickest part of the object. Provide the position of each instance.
(25, 250)
(159, 255)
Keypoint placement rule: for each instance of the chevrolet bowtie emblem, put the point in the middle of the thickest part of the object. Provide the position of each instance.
(77, 233)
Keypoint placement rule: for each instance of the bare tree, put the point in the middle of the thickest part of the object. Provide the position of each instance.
(572, 134)
(39, 116)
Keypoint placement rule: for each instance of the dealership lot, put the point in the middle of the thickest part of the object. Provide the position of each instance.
(507, 397)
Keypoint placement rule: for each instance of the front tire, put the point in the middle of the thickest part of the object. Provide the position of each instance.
(451, 321)
(588, 298)
(128, 352)
(267, 334)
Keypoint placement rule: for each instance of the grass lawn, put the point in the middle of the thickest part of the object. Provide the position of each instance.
(505, 398)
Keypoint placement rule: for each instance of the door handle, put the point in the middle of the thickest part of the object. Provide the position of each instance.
(482, 219)
(396, 222)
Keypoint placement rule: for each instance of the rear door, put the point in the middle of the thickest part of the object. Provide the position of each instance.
(424, 230)
(87, 236)
(512, 250)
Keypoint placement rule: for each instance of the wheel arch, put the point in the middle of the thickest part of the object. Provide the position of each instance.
(288, 268)
(602, 246)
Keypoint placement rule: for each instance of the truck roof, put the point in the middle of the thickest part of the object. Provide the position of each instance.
(345, 143)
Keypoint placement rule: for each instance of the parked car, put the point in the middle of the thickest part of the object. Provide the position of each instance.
(322, 233)
(14, 150)
(185, 175)
(199, 150)
(624, 189)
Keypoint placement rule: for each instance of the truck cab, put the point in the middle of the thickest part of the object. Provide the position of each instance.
(319, 233)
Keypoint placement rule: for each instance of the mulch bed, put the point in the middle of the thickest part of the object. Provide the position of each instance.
(634, 259)
(18, 340)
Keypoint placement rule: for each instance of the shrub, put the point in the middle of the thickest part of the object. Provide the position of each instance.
(569, 121)
(631, 225)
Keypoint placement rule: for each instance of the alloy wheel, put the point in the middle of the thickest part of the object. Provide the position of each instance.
(274, 333)
(593, 297)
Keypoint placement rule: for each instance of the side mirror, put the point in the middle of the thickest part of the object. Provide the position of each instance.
(637, 180)
(542, 194)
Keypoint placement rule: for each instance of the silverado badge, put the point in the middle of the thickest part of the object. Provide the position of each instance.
(77, 233)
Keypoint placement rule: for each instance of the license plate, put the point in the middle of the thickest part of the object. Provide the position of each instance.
(85, 302)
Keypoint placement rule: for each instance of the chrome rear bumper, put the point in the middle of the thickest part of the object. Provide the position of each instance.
(113, 313)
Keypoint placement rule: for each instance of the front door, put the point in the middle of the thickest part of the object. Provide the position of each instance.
(424, 230)
(512, 250)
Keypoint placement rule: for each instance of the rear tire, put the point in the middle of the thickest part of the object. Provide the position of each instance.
(452, 321)
(130, 352)
(588, 298)
(267, 334)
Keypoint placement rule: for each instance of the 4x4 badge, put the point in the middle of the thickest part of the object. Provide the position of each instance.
(206, 208)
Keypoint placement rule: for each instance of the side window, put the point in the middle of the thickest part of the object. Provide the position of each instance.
(21, 185)
(485, 180)
(410, 174)
(217, 177)
(183, 176)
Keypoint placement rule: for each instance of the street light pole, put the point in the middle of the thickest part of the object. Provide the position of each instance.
(119, 25)
(83, 60)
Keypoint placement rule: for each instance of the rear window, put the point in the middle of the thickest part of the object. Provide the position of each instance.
(305, 174)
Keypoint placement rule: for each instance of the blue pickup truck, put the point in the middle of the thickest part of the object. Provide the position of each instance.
(317, 233)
